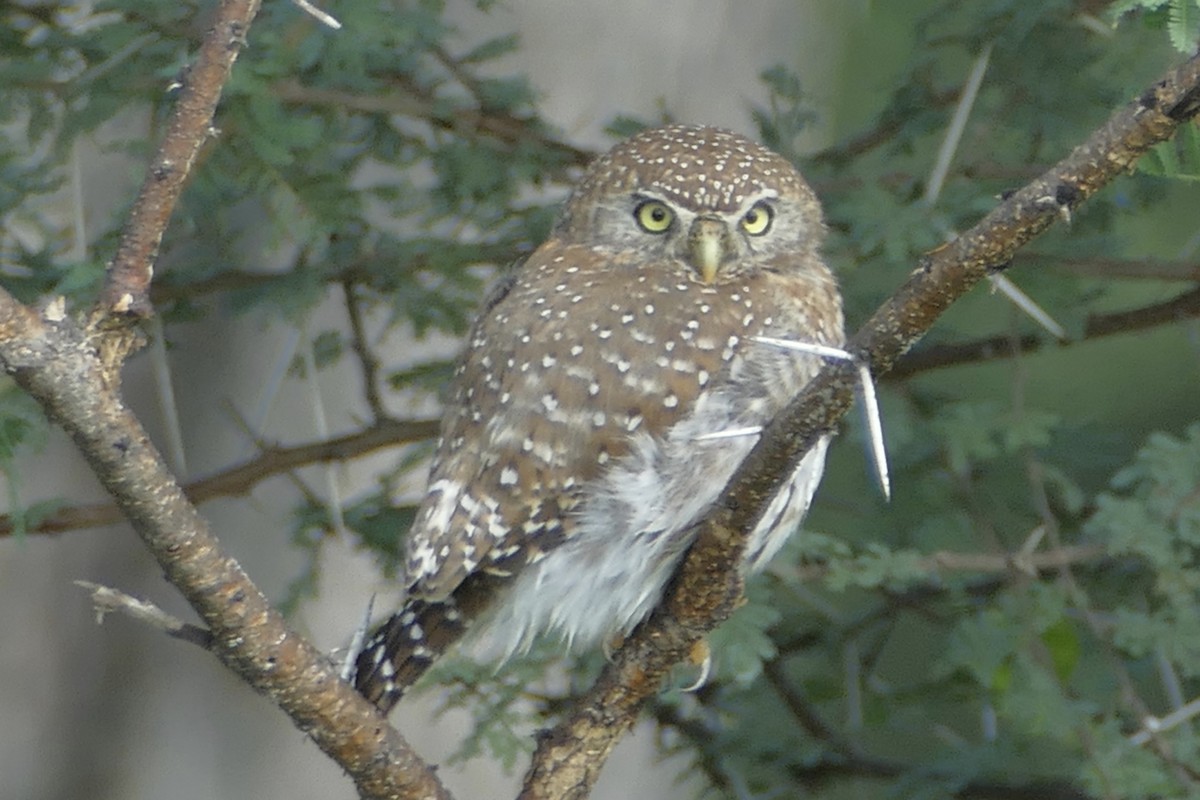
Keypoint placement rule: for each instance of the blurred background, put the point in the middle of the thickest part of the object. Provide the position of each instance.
(364, 188)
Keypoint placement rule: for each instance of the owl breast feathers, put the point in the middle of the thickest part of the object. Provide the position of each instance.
(577, 449)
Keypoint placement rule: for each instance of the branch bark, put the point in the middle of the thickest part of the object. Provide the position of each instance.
(61, 364)
(708, 585)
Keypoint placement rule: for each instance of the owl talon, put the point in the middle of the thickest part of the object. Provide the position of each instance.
(611, 646)
(701, 656)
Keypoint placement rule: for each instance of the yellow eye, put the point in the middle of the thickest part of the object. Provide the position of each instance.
(654, 216)
(757, 220)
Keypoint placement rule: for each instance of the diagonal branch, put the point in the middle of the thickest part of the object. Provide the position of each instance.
(60, 363)
(708, 584)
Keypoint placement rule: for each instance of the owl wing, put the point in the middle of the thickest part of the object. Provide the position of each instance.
(579, 351)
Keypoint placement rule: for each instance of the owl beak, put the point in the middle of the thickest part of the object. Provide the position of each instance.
(708, 245)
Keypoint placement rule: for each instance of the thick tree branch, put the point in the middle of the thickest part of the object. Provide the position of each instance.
(708, 585)
(242, 478)
(127, 285)
(61, 364)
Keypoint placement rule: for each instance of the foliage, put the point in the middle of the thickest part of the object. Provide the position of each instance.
(381, 168)
(1181, 18)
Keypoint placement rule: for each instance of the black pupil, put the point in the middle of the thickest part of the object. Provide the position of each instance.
(752, 218)
(658, 214)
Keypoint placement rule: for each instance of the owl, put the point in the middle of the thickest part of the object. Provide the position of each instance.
(610, 387)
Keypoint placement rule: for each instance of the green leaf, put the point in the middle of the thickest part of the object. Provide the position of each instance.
(1184, 24)
(1178, 158)
(1065, 649)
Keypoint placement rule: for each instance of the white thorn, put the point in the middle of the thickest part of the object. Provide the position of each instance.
(1154, 725)
(324, 17)
(875, 429)
(870, 401)
(321, 422)
(823, 350)
(1033, 541)
(729, 433)
(164, 384)
(958, 124)
(1024, 302)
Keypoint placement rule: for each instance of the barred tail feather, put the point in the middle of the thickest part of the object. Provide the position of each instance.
(405, 645)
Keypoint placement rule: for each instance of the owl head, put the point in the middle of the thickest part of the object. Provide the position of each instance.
(706, 198)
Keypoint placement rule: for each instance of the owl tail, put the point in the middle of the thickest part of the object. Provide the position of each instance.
(400, 649)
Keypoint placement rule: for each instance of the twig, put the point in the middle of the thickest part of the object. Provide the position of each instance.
(481, 254)
(510, 130)
(127, 285)
(938, 356)
(803, 712)
(1139, 269)
(885, 130)
(850, 766)
(165, 386)
(708, 585)
(107, 600)
(334, 501)
(367, 360)
(240, 479)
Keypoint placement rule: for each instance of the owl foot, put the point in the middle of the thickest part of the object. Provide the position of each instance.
(700, 656)
(611, 646)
